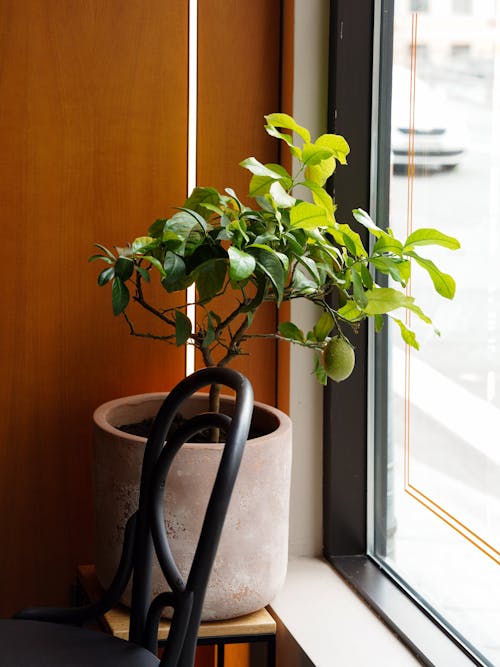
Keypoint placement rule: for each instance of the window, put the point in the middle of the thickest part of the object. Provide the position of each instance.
(419, 5)
(461, 51)
(462, 6)
(412, 493)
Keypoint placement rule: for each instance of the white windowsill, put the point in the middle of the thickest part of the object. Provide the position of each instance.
(330, 623)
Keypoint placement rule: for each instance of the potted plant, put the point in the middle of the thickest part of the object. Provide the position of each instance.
(285, 247)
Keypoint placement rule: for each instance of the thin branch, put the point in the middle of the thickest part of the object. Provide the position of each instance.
(139, 298)
(234, 349)
(139, 334)
(232, 316)
(207, 357)
(275, 336)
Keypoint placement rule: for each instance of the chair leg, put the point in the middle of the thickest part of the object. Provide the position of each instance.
(220, 654)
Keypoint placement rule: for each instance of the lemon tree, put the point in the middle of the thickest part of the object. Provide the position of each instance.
(280, 249)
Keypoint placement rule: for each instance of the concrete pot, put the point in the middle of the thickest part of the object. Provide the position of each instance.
(251, 561)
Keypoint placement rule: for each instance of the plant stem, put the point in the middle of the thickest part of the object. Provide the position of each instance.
(214, 403)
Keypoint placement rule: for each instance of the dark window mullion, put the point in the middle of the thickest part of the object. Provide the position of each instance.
(345, 404)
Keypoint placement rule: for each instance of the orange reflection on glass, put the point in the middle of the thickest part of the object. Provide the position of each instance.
(411, 489)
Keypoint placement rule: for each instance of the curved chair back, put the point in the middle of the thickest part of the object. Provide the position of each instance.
(186, 597)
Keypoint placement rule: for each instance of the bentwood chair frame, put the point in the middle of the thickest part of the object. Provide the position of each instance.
(145, 534)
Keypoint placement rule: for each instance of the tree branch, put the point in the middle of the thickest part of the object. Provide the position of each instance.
(139, 298)
(139, 334)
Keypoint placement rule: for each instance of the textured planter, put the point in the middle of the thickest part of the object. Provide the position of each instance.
(250, 566)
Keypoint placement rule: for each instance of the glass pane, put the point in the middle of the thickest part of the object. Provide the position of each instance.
(441, 489)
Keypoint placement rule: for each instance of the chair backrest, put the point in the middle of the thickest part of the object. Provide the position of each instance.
(186, 597)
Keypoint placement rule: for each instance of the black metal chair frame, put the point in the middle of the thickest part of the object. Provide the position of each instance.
(145, 532)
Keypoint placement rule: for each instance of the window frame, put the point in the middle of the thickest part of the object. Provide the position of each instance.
(361, 43)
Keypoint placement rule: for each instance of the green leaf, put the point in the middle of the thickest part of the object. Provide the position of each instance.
(271, 265)
(241, 264)
(199, 198)
(407, 335)
(426, 236)
(296, 240)
(209, 278)
(349, 244)
(174, 241)
(280, 196)
(210, 334)
(175, 271)
(384, 299)
(156, 229)
(319, 173)
(105, 276)
(202, 223)
(181, 224)
(287, 138)
(144, 243)
(234, 197)
(124, 267)
(313, 154)
(364, 219)
(388, 244)
(260, 185)
(143, 273)
(214, 317)
(351, 312)
(303, 285)
(105, 250)
(443, 283)
(307, 216)
(420, 313)
(252, 306)
(339, 231)
(366, 276)
(379, 323)
(336, 144)
(323, 326)
(120, 296)
(398, 269)
(311, 267)
(182, 328)
(260, 169)
(319, 370)
(285, 121)
(291, 331)
(358, 291)
(104, 258)
(156, 263)
(321, 198)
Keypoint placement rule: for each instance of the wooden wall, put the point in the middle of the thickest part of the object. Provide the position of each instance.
(93, 130)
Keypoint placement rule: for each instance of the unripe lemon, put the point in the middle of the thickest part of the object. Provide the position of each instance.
(338, 359)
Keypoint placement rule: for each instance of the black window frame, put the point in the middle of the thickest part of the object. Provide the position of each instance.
(361, 40)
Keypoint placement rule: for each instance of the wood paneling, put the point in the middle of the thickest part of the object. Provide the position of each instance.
(93, 129)
(238, 83)
(93, 135)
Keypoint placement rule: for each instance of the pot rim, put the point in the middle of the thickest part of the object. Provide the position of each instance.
(101, 412)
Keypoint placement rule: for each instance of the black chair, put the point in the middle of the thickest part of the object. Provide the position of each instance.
(49, 636)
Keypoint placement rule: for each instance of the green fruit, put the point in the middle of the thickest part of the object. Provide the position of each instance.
(338, 359)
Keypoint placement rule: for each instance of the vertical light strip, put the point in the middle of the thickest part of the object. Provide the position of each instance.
(192, 148)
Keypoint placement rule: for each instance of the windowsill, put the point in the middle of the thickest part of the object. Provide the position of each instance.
(330, 623)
